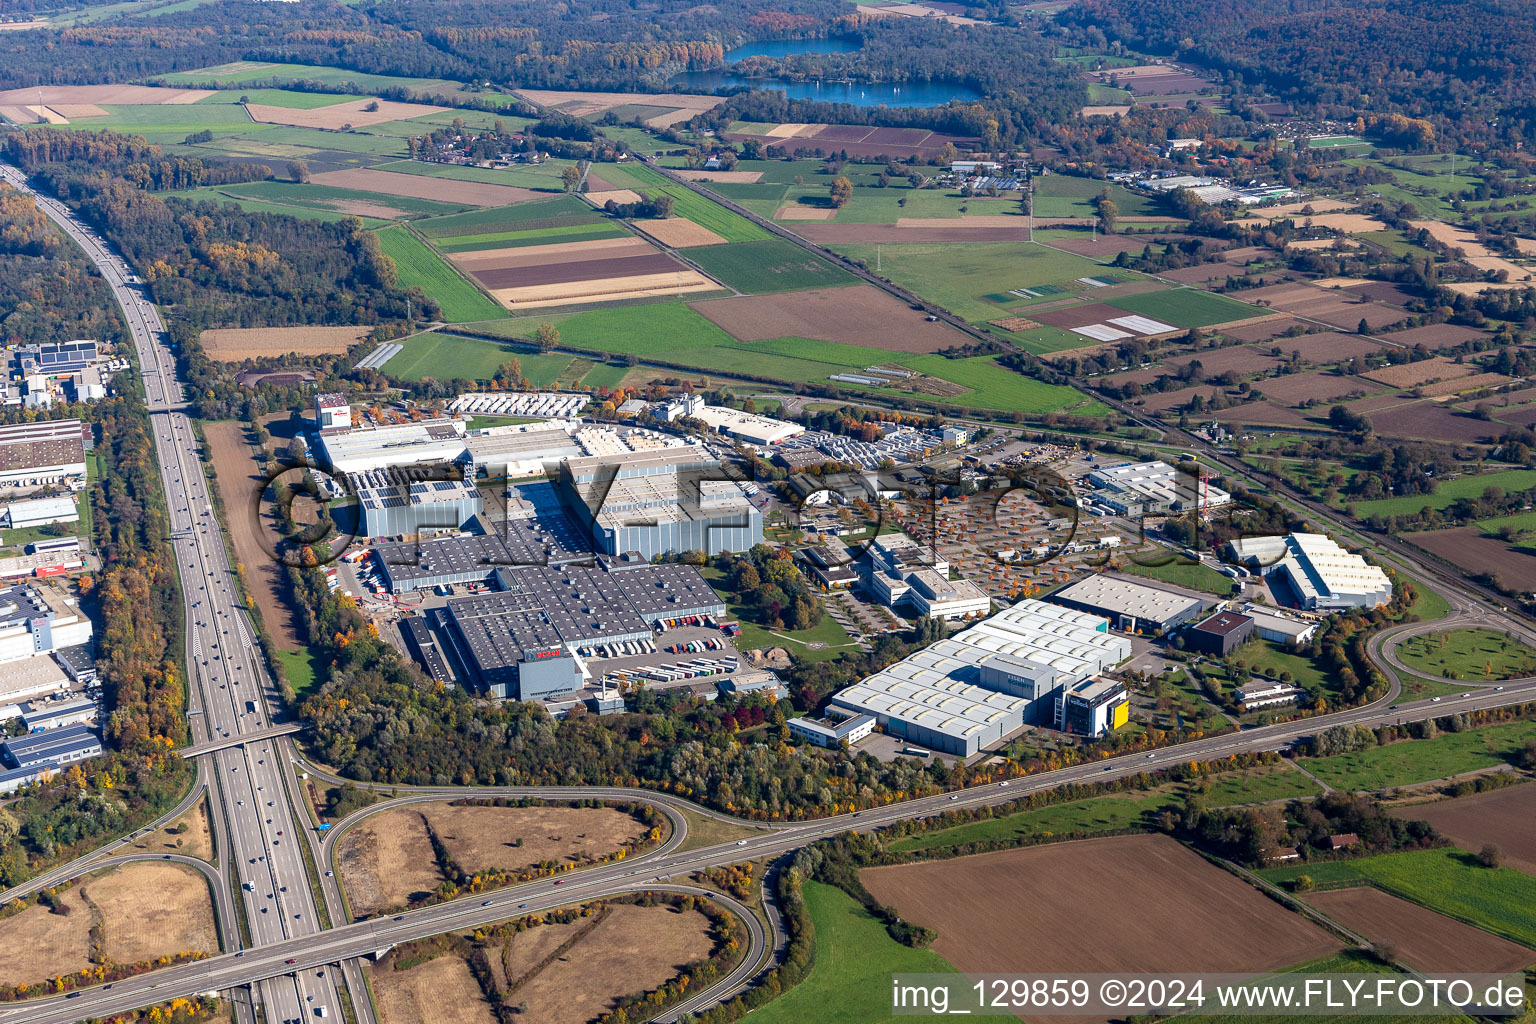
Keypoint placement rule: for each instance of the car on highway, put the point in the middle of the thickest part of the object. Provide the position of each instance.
(1466, 695)
(290, 961)
(486, 903)
(1434, 700)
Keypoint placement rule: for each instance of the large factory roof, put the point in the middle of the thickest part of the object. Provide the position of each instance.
(545, 608)
(1120, 596)
(936, 687)
(1327, 570)
(353, 449)
(39, 444)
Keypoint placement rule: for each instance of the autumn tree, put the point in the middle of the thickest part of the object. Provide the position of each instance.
(298, 170)
(546, 337)
(841, 190)
(570, 178)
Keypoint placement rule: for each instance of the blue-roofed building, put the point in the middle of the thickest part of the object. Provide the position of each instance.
(64, 746)
(67, 357)
(58, 714)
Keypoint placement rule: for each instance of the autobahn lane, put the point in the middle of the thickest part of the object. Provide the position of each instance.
(246, 783)
(364, 937)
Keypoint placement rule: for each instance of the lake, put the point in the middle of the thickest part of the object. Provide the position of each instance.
(859, 94)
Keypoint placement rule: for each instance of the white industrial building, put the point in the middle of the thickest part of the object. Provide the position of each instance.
(899, 571)
(1267, 694)
(832, 734)
(333, 412)
(746, 426)
(1280, 629)
(41, 453)
(19, 515)
(361, 448)
(1153, 488)
(969, 691)
(1321, 575)
(36, 620)
(544, 405)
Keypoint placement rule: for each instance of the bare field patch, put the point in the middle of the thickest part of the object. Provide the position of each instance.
(440, 991)
(622, 196)
(634, 949)
(1468, 548)
(112, 95)
(1018, 323)
(1045, 906)
(233, 344)
(236, 474)
(856, 315)
(1505, 817)
(151, 909)
(723, 177)
(353, 113)
(682, 107)
(1295, 388)
(1295, 210)
(1105, 111)
(40, 944)
(1463, 385)
(794, 211)
(386, 860)
(76, 110)
(188, 835)
(1425, 371)
(679, 232)
(1453, 236)
(548, 255)
(610, 289)
(421, 186)
(1424, 939)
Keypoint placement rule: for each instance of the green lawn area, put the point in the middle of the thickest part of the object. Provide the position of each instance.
(304, 670)
(1059, 195)
(1473, 654)
(261, 71)
(1196, 576)
(1427, 603)
(1187, 307)
(768, 265)
(850, 979)
(1410, 761)
(957, 275)
(1267, 655)
(446, 356)
(1448, 880)
(1119, 810)
(417, 264)
(1448, 491)
(172, 121)
(631, 174)
(732, 227)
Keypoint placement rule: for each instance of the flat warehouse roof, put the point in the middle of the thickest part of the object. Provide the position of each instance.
(42, 443)
(1127, 597)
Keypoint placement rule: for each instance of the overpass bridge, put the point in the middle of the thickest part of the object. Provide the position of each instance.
(209, 746)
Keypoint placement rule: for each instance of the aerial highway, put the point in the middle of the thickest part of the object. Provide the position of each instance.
(247, 768)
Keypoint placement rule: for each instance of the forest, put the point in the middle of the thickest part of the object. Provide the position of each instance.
(48, 291)
(1458, 63)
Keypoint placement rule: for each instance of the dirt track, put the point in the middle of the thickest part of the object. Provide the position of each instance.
(237, 478)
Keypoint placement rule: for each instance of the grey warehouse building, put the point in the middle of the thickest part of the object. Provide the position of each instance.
(395, 505)
(669, 500)
(527, 639)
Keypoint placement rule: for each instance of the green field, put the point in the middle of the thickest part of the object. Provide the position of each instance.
(1473, 654)
(291, 193)
(956, 275)
(1411, 761)
(447, 356)
(304, 670)
(1274, 658)
(1449, 881)
(1448, 491)
(730, 226)
(1131, 809)
(571, 232)
(255, 206)
(768, 265)
(259, 71)
(1187, 307)
(850, 978)
(418, 265)
(1196, 576)
(631, 174)
(277, 98)
(539, 213)
(1350, 961)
